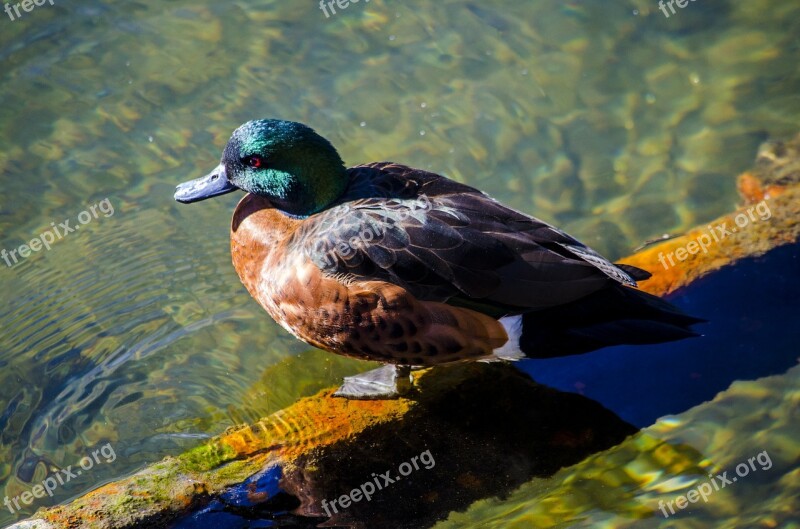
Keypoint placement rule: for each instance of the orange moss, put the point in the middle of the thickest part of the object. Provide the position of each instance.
(752, 190)
(312, 422)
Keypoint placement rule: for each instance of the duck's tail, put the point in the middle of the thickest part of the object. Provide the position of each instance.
(617, 315)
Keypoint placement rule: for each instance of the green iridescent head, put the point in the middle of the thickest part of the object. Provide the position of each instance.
(298, 170)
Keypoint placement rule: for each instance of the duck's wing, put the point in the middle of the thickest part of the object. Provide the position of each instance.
(445, 241)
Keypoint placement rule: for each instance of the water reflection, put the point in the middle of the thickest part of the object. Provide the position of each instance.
(479, 431)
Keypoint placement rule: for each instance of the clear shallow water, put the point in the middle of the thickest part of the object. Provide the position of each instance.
(610, 120)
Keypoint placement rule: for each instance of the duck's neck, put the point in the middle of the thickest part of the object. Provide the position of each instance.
(305, 191)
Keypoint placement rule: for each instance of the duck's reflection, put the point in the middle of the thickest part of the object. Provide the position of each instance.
(491, 431)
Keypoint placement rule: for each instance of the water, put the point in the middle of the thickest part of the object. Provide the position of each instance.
(610, 120)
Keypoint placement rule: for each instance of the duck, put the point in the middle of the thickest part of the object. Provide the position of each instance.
(409, 268)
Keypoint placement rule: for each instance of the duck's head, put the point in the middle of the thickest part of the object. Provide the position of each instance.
(288, 163)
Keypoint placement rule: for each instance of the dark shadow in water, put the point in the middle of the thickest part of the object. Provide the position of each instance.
(752, 332)
(494, 430)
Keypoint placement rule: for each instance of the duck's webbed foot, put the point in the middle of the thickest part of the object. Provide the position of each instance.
(386, 382)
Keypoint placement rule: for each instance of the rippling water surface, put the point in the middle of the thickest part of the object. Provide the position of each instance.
(606, 118)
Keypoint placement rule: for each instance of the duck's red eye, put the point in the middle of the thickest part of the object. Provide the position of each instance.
(254, 161)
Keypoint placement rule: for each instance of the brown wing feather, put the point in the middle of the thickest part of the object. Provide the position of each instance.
(448, 242)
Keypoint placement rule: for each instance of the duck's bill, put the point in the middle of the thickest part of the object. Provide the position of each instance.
(213, 184)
